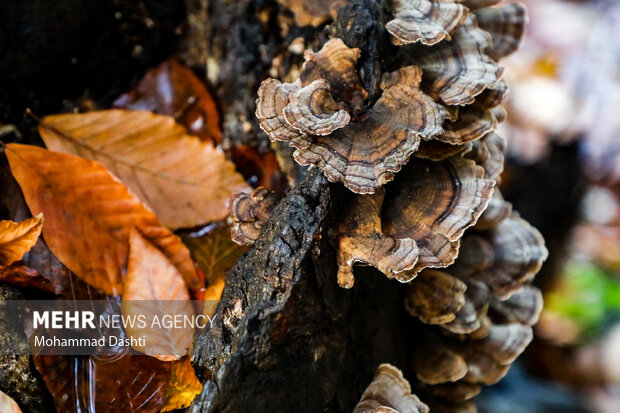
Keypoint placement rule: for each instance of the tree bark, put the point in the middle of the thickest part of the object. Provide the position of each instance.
(287, 337)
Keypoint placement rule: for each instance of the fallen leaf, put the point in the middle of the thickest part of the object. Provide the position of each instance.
(183, 385)
(129, 383)
(151, 279)
(259, 169)
(216, 253)
(185, 181)
(89, 215)
(8, 405)
(39, 258)
(22, 276)
(16, 238)
(174, 90)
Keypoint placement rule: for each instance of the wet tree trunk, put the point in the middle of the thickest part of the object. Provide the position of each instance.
(287, 337)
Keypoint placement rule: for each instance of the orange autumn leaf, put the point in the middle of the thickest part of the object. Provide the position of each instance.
(183, 385)
(8, 405)
(185, 181)
(129, 383)
(89, 215)
(151, 279)
(174, 90)
(16, 238)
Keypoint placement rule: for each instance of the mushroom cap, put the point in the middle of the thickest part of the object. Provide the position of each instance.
(433, 203)
(436, 150)
(425, 21)
(360, 240)
(435, 297)
(488, 152)
(366, 153)
(506, 25)
(389, 392)
(248, 213)
(472, 123)
(322, 115)
(458, 71)
(504, 257)
(313, 111)
(522, 307)
(434, 362)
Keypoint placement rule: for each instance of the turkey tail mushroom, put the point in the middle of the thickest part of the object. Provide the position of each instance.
(389, 392)
(248, 213)
(425, 21)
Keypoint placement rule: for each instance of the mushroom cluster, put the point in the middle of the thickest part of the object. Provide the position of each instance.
(436, 221)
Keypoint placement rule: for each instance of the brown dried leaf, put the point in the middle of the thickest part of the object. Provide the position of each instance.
(22, 276)
(17, 238)
(174, 90)
(152, 278)
(426, 21)
(83, 383)
(89, 216)
(259, 168)
(185, 181)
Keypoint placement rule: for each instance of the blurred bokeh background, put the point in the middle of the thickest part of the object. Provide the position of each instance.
(563, 175)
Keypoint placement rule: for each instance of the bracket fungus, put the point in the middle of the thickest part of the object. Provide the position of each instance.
(436, 97)
(425, 21)
(361, 147)
(248, 213)
(417, 224)
(389, 392)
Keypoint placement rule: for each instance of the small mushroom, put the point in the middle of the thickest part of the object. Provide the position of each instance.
(468, 319)
(248, 213)
(434, 362)
(483, 369)
(504, 343)
(473, 122)
(434, 203)
(425, 21)
(504, 257)
(389, 392)
(488, 152)
(506, 24)
(361, 240)
(459, 70)
(435, 297)
(493, 96)
(313, 111)
(522, 307)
